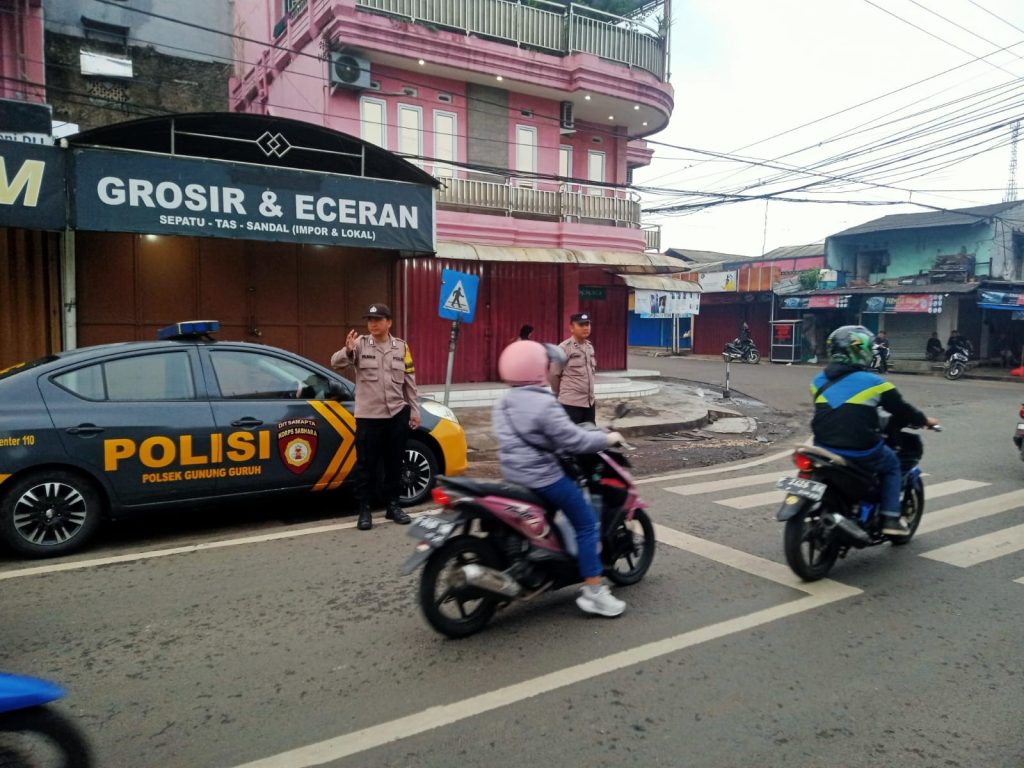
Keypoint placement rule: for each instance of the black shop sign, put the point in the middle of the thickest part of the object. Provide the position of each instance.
(31, 186)
(159, 194)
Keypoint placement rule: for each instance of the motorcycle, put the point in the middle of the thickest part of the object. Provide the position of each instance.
(33, 733)
(959, 362)
(497, 543)
(833, 505)
(877, 363)
(1018, 436)
(742, 350)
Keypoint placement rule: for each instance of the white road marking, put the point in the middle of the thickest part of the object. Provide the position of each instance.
(965, 513)
(716, 470)
(948, 488)
(1019, 581)
(981, 548)
(131, 557)
(723, 485)
(936, 491)
(819, 593)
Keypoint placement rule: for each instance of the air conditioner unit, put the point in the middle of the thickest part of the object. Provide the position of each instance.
(349, 70)
(565, 119)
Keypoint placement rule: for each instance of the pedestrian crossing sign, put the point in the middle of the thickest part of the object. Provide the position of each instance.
(458, 296)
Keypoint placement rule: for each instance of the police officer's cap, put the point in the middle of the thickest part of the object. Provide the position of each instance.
(378, 311)
(579, 317)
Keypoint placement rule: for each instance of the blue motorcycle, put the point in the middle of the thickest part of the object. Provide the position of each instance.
(833, 505)
(32, 733)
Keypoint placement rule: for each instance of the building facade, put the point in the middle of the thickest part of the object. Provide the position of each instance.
(531, 116)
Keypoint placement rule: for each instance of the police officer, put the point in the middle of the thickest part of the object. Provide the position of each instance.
(575, 384)
(386, 408)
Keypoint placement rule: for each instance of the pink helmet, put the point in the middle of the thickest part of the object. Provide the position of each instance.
(523, 362)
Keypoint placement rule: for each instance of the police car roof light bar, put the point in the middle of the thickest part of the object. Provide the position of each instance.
(191, 329)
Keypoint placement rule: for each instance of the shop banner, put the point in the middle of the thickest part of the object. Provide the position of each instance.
(1000, 299)
(929, 303)
(666, 303)
(717, 282)
(830, 301)
(159, 194)
(31, 186)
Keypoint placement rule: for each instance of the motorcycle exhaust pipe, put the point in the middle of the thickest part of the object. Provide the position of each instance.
(490, 580)
(851, 529)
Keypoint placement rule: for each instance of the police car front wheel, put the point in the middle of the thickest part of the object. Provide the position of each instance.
(49, 512)
(419, 470)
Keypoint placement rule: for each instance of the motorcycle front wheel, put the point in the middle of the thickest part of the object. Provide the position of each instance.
(955, 371)
(753, 357)
(912, 509)
(631, 550)
(451, 606)
(41, 736)
(811, 547)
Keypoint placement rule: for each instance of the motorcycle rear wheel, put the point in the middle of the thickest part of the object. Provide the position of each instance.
(955, 371)
(29, 736)
(811, 549)
(632, 545)
(441, 595)
(912, 509)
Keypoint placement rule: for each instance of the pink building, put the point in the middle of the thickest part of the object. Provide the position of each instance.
(22, 71)
(531, 116)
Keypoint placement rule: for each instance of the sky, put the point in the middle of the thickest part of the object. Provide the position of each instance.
(746, 70)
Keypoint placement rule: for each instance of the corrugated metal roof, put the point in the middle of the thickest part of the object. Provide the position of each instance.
(793, 252)
(879, 290)
(958, 217)
(704, 257)
(656, 283)
(622, 260)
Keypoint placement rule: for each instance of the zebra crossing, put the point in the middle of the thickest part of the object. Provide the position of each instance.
(971, 551)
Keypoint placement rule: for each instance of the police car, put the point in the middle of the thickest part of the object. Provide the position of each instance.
(112, 430)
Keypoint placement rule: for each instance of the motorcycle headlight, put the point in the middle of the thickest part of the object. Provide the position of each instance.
(437, 409)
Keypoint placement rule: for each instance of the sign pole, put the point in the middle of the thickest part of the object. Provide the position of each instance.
(726, 395)
(451, 359)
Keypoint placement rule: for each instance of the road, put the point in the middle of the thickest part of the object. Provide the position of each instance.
(262, 643)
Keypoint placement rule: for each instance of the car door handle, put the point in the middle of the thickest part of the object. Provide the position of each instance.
(247, 423)
(84, 429)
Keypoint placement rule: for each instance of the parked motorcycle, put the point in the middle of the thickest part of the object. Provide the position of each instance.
(1018, 436)
(833, 505)
(498, 542)
(33, 734)
(958, 364)
(742, 350)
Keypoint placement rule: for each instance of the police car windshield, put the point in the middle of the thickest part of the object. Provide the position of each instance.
(19, 367)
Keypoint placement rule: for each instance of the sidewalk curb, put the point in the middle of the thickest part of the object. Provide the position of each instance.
(643, 430)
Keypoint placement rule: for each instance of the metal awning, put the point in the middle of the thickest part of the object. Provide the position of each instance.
(626, 261)
(658, 283)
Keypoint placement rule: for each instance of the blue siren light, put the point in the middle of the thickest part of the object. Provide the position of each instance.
(188, 329)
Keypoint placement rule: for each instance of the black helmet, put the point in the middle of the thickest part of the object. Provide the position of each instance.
(850, 344)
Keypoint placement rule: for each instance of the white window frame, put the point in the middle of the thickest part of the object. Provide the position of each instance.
(446, 167)
(530, 130)
(418, 111)
(383, 125)
(593, 155)
(565, 151)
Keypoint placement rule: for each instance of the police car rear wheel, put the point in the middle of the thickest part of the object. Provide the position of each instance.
(419, 469)
(49, 513)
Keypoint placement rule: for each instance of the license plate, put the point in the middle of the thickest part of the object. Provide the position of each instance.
(1020, 427)
(433, 530)
(809, 489)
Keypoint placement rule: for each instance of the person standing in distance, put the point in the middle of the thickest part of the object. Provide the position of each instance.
(574, 386)
(386, 408)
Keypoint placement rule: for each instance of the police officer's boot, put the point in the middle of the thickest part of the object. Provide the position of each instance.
(365, 521)
(396, 513)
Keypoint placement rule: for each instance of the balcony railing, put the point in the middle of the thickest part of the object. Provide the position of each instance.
(652, 237)
(545, 26)
(593, 204)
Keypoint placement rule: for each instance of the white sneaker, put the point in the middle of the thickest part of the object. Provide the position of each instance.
(600, 600)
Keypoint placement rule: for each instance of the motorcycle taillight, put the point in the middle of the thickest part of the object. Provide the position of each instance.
(803, 463)
(441, 497)
(1022, 410)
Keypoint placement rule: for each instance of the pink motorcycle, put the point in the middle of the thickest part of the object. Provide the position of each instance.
(497, 542)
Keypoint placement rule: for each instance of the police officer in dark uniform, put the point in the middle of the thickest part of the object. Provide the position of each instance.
(386, 408)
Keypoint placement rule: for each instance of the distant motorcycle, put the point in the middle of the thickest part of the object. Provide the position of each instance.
(1018, 436)
(33, 733)
(882, 358)
(744, 351)
(959, 362)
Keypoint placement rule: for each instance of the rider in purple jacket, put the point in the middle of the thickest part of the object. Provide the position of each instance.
(532, 430)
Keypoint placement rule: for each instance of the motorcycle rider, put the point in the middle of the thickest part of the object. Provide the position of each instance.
(933, 349)
(881, 346)
(532, 430)
(846, 401)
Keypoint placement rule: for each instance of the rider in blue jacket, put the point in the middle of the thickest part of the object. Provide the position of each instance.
(846, 402)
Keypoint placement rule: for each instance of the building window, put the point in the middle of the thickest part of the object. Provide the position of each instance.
(526, 153)
(373, 121)
(565, 163)
(595, 171)
(102, 32)
(410, 132)
(445, 142)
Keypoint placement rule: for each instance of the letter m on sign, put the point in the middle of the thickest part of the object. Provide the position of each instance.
(28, 181)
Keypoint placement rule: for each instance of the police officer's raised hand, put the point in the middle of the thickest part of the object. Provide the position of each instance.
(350, 341)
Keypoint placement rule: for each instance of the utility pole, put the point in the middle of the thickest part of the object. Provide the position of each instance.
(1011, 185)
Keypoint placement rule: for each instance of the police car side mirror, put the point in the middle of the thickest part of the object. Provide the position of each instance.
(338, 391)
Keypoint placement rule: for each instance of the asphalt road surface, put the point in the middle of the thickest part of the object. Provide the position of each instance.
(276, 640)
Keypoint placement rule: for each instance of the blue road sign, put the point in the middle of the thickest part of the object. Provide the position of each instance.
(458, 296)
